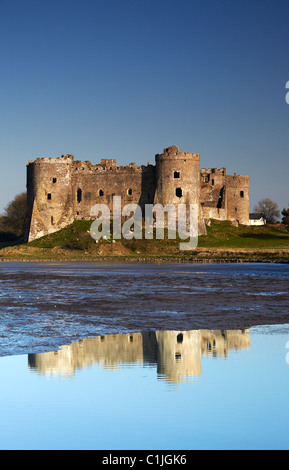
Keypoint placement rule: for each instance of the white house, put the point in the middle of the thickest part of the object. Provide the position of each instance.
(256, 219)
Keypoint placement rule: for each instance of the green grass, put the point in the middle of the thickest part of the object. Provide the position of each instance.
(225, 235)
(219, 235)
(222, 242)
(75, 236)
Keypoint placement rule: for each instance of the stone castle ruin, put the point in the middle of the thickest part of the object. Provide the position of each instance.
(61, 190)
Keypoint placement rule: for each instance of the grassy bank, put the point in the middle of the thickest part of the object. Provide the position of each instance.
(223, 243)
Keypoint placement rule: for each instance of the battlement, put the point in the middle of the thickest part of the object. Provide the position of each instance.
(109, 166)
(63, 160)
(173, 153)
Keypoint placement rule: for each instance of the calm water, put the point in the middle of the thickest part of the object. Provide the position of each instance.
(144, 356)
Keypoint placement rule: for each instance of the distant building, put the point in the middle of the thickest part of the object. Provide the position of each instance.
(60, 190)
(256, 219)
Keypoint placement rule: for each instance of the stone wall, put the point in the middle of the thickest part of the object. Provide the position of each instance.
(213, 193)
(238, 198)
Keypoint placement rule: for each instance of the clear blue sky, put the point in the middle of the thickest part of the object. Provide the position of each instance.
(124, 79)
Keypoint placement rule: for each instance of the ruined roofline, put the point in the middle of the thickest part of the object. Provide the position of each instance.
(213, 170)
(236, 176)
(222, 171)
(173, 152)
(105, 164)
(64, 159)
(109, 163)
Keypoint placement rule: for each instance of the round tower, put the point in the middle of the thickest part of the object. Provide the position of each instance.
(178, 179)
(49, 195)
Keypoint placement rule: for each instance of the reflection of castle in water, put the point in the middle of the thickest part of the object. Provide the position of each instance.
(177, 354)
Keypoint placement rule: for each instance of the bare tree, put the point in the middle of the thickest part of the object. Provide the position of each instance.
(268, 210)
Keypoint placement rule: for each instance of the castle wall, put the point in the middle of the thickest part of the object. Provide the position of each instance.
(60, 190)
(98, 184)
(213, 193)
(224, 197)
(238, 198)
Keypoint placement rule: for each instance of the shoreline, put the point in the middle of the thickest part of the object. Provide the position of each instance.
(207, 256)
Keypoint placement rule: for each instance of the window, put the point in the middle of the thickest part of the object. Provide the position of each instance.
(176, 174)
(207, 178)
(54, 180)
(49, 196)
(52, 220)
(79, 195)
(242, 194)
(213, 182)
(129, 191)
(221, 197)
(100, 192)
(179, 192)
(180, 337)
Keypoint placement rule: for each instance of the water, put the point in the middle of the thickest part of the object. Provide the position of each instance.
(100, 356)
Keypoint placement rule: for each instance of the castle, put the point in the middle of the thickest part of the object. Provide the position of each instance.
(60, 190)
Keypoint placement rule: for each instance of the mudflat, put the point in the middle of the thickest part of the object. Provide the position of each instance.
(45, 305)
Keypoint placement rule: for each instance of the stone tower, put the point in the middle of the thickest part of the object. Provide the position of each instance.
(178, 180)
(50, 202)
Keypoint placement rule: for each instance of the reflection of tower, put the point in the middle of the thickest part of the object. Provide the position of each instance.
(218, 343)
(179, 354)
(49, 195)
(178, 180)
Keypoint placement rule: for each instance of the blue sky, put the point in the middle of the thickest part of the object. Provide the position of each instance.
(124, 79)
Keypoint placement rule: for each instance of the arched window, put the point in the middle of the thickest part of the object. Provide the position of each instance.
(129, 191)
(100, 192)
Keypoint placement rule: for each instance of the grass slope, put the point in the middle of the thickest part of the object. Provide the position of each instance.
(223, 242)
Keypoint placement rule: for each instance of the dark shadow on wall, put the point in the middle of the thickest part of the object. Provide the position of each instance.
(148, 187)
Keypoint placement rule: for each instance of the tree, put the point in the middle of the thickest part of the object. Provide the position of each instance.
(268, 210)
(285, 219)
(13, 220)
